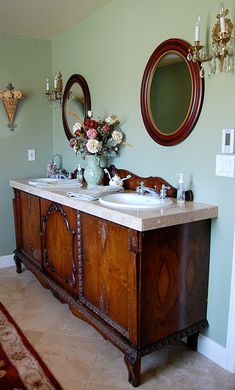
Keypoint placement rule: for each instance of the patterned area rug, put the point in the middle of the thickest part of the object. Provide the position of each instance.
(21, 367)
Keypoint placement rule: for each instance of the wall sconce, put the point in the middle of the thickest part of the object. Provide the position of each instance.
(10, 99)
(222, 48)
(54, 94)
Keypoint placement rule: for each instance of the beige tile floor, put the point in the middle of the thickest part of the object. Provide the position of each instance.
(82, 360)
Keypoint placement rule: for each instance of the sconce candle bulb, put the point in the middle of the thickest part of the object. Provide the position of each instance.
(47, 85)
(222, 18)
(197, 29)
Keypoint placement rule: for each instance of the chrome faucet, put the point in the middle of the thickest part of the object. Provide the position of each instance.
(141, 189)
(59, 167)
(54, 170)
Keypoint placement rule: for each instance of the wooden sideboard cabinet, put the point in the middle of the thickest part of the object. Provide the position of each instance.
(140, 289)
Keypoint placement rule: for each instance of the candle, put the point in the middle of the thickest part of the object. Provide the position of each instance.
(55, 83)
(47, 85)
(222, 18)
(197, 29)
(222, 24)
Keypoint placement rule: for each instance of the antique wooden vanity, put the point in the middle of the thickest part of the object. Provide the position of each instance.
(139, 277)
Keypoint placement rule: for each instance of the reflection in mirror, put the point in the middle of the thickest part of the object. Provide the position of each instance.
(75, 109)
(170, 93)
(76, 103)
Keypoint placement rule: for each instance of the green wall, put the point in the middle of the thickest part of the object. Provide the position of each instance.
(111, 49)
(26, 62)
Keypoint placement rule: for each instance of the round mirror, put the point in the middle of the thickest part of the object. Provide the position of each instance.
(76, 103)
(171, 93)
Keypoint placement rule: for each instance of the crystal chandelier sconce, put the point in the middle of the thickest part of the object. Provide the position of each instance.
(10, 98)
(54, 92)
(222, 48)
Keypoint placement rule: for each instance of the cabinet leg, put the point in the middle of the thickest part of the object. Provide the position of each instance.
(192, 341)
(133, 368)
(18, 264)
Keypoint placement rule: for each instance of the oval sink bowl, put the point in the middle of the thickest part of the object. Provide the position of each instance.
(127, 200)
(54, 183)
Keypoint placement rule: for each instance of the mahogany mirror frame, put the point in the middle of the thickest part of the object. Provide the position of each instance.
(181, 47)
(79, 79)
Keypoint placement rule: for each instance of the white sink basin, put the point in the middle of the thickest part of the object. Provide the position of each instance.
(127, 200)
(54, 183)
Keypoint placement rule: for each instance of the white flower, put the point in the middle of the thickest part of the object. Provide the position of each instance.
(17, 94)
(111, 120)
(89, 114)
(93, 146)
(117, 136)
(77, 126)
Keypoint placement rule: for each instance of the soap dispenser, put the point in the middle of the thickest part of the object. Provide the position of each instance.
(180, 189)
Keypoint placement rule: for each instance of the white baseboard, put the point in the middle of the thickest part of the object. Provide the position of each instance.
(214, 352)
(6, 261)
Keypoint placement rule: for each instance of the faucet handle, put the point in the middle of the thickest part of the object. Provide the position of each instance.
(163, 191)
(140, 188)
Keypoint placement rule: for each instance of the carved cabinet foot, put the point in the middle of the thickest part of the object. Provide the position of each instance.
(192, 341)
(133, 368)
(18, 264)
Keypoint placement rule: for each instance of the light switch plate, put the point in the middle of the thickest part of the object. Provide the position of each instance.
(31, 154)
(225, 165)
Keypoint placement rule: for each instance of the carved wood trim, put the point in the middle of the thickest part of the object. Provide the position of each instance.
(103, 232)
(80, 267)
(17, 213)
(102, 314)
(133, 242)
(135, 247)
(103, 301)
(54, 207)
(150, 181)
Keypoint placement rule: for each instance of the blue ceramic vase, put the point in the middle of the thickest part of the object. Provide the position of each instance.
(93, 173)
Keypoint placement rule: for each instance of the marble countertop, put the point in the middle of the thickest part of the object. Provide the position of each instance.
(140, 220)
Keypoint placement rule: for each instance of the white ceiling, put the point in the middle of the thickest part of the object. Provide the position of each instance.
(44, 18)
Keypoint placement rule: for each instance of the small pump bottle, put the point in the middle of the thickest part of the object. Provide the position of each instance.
(180, 189)
(79, 174)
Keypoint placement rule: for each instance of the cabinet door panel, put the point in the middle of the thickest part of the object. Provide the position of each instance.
(28, 209)
(174, 279)
(59, 226)
(105, 268)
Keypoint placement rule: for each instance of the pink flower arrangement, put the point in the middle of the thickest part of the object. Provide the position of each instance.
(97, 137)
